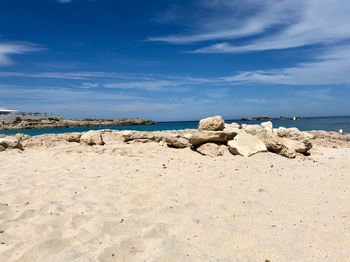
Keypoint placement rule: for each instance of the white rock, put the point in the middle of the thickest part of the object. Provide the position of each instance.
(214, 123)
(275, 144)
(211, 149)
(267, 125)
(199, 138)
(295, 145)
(246, 145)
(295, 134)
(92, 138)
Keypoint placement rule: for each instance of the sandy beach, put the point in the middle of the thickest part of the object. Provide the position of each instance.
(149, 202)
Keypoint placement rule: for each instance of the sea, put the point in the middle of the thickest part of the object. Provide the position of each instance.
(305, 124)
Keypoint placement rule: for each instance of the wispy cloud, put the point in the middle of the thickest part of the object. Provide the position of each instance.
(64, 1)
(148, 85)
(114, 80)
(329, 68)
(155, 85)
(275, 24)
(228, 19)
(7, 49)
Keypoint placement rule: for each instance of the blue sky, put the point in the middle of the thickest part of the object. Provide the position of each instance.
(175, 59)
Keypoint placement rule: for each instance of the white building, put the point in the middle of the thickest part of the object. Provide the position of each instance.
(5, 112)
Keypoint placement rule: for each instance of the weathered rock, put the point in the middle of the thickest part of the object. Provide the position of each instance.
(292, 133)
(329, 135)
(246, 145)
(296, 146)
(252, 129)
(267, 125)
(199, 138)
(10, 144)
(172, 140)
(133, 135)
(48, 140)
(2, 148)
(176, 142)
(21, 137)
(275, 144)
(72, 137)
(295, 134)
(187, 135)
(211, 149)
(232, 126)
(215, 123)
(92, 138)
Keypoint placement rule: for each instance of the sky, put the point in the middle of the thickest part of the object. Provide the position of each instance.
(176, 59)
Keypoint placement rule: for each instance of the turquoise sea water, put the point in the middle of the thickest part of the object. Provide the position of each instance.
(310, 123)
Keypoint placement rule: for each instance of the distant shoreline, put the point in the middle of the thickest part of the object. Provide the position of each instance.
(57, 123)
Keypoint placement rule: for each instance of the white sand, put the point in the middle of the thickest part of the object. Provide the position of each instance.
(146, 202)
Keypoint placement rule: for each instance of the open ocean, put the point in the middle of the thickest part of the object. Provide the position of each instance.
(309, 123)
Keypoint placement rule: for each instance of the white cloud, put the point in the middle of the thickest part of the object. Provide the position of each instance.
(150, 85)
(227, 19)
(89, 85)
(14, 48)
(329, 68)
(64, 1)
(275, 24)
(154, 85)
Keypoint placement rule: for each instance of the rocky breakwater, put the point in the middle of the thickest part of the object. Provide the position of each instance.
(61, 123)
(213, 138)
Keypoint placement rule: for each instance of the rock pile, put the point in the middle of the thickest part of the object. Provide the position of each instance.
(213, 138)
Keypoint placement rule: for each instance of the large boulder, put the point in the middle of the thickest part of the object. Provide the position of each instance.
(136, 135)
(295, 134)
(296, 145)
(92, 138)
(215, 123)
(176, 142)
(199, 138)
(10, 144)
(276, 144)
(246, 145)
(211, 149)
(171, 139)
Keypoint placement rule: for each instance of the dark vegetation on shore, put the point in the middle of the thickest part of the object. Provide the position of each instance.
(56, 122)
